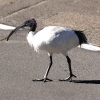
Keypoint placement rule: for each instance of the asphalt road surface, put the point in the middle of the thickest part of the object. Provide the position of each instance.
(19, 64)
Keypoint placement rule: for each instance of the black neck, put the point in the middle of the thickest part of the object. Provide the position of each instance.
(33, 28)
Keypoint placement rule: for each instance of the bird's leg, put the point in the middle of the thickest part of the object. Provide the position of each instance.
(70, 70)
(47, 72)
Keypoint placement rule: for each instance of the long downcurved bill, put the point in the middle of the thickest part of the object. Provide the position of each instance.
(90, 46)
(12, 32)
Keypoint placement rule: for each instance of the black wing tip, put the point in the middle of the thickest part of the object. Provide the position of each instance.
(78, 31)
(82, 37)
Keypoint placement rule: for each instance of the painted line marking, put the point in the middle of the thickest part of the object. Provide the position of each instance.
(90, 46)
(6, 27)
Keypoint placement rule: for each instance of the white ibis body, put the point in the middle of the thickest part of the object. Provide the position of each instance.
(53, 39)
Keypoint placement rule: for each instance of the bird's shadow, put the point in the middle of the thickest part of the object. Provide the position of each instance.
(75, 81)
(87, 81)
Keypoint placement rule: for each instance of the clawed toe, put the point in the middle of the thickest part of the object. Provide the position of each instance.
(38, 80)
(44, 79)
(68, 79)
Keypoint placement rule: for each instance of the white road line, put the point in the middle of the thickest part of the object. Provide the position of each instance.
(90, 46)
(6, 27)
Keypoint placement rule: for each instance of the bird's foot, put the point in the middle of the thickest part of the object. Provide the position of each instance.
(44, 79)
(68, 79)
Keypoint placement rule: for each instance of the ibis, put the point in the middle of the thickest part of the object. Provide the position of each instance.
(52, 39)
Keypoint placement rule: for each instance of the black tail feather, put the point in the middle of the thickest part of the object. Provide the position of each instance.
(81, 36)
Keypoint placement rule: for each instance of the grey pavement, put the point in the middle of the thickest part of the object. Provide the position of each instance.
(19, 64)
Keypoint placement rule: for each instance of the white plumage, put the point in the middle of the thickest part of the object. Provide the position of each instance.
(53, 39)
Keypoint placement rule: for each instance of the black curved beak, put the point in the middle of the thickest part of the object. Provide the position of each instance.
(15, 30)
(28, 23)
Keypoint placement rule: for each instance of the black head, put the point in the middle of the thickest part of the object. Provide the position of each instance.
(31, 23)
(28, 23)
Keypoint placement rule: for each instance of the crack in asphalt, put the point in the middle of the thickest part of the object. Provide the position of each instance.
(12, 2)
(25, 8)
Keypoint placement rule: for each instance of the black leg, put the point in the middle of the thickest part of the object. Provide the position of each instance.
(69, 63)
(70, 70)
(48, 69)
(47, 72)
